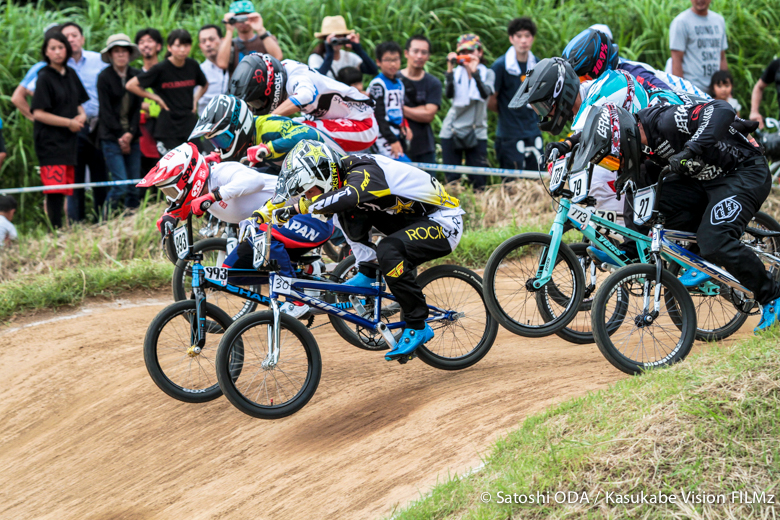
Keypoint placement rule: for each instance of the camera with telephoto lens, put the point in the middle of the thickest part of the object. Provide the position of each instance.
(340, 41)
(461, 59)
(238, 19)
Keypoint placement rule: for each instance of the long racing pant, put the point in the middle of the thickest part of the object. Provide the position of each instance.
(411, 240)
(718, 211)
(291, 241)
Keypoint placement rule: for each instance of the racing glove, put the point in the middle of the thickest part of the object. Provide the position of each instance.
(244, 226)
(166, 224)
(263, 214)
(562, 147)
(257, 153)
(213, 157)
(201, 204)
(685, 163)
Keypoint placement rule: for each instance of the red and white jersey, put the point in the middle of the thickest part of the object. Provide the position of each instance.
(242, 189)
(320, 97)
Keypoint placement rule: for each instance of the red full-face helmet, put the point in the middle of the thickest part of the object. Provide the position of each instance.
(181, 176)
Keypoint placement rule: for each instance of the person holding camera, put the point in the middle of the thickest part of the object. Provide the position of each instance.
(330, 56)
(252, 36)
(468, 83)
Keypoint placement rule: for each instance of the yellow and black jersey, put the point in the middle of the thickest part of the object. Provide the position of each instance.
(378, 183)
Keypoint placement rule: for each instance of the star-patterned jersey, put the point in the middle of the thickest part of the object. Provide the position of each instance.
(378, 183)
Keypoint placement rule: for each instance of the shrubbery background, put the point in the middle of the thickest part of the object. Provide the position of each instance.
(640, 27)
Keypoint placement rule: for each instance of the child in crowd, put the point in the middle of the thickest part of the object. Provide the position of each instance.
(3, 153)
(7, 210)
(387, 91)
(721, 85)
(353, 77)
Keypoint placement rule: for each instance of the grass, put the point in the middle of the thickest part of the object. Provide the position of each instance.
(640, 28)
(709, 426)
(70, 286)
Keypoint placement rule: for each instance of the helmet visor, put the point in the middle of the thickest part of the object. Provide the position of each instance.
(223, 140)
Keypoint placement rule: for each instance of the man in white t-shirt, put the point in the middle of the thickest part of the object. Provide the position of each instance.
(697, 38)
(209, 39)
(7, 210)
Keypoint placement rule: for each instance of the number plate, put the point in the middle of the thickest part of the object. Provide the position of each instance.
(258, 251)
(578, 184)
(557, 174)
(217, 275)
(580, 216)
(644, 200)
(180, 240)
(606, 215)
(282, 285)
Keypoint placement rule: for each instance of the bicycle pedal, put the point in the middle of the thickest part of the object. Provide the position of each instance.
(404, 359)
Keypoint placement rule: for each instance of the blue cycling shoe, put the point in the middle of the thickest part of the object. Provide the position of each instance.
(693, 278)
(601, 257)
(360, 280)
(409, 341)
(769, 316)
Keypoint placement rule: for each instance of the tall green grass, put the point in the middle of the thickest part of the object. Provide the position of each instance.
(640, 27)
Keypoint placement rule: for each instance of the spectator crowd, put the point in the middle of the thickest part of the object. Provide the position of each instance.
(112, 114)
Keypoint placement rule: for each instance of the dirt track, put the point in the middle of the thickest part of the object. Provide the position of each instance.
(86, 434)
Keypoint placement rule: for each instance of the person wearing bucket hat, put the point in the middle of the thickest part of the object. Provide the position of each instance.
(252, 36)
(464, 131)
(119, 117)
(330, 56)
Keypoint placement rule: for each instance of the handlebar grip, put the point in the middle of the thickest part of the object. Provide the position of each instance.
(205, 205)
(554, 154)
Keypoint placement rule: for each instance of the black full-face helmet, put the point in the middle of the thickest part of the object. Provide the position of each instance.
(610, 137)
(551, 88)
(228, 124)
(261, 81)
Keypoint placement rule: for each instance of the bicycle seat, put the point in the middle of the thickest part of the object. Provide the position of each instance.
(762, 233)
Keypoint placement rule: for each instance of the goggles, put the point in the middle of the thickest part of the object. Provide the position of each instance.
(610, 163)
(542, 108)
(223, 140)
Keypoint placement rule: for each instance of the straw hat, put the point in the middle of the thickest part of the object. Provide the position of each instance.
(119, 40)
(333, 24)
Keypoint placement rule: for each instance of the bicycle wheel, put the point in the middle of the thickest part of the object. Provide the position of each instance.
(461, 342)
(716, 316)
(764, 221)
(361, 337)
(515, 303)
(580, 330)
(214, 252)
(258, 387)
(170, 361)
(643, 340)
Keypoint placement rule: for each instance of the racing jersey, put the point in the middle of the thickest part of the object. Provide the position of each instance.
(706, 129)
(375, 183)
(614, 86)
(281, 133)
(672, 82)
(388, 95)
(242, 189)
(321, 97)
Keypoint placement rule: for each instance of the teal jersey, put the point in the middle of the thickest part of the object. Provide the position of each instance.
(614, 86)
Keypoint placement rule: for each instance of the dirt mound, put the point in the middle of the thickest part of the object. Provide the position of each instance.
(86, 433)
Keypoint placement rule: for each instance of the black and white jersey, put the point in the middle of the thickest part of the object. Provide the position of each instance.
(375, 183)
(706, 129)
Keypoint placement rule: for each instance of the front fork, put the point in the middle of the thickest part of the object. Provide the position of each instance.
(198, 333)
(544, 273)
(274, 335)
(655, 248)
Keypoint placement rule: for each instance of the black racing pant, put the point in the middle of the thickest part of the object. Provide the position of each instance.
(410, 241)
(718, 211)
